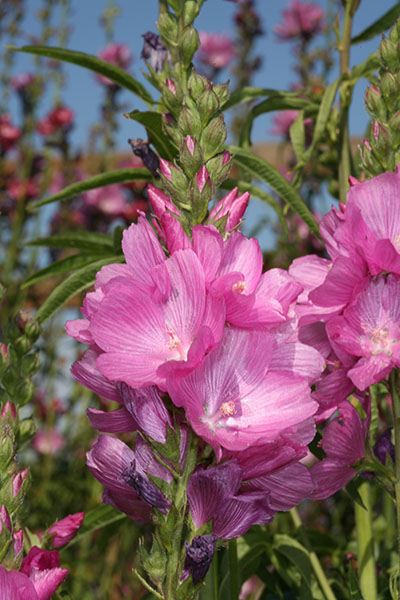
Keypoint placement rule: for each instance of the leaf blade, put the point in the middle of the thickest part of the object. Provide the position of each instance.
(379, 26)
(65, 265)
(153, 123)
(97, 181)
(93, 63)
(81, 240)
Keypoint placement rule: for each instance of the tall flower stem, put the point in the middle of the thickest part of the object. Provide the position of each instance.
(233, 570)
(365, 543)
(345, 98)
(394, 390)
(316, 565)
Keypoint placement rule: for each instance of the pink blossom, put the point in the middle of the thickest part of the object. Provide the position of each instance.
(216, 49)
(22, 81)
(9, 134)
(300, 20)
(60, 118)
(118, 55)
(66, 529)
(48, 441)
(42, 567)
(232, 206)
(284, 120)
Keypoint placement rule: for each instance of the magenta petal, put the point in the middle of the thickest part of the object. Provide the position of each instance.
(148, 409)
(128, 503)
(46, 582)
(86, 372)
(142, 250)
(16, 586)
(298, 358)
(329, 476)
(114, 421)
(107, 460)
(237, 516)
(208, 245)
(345, 276)
(79, 330)
(287, 487)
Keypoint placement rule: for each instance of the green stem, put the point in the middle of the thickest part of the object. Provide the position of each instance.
(316, 565)
(345, 98)
(394, 390)
(233, 570)
(365, 544)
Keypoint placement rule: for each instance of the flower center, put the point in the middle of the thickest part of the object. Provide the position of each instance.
(239, 287)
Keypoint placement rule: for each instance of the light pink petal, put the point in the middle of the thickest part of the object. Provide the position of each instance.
(79, 330)
(298, 358)
(244, 256)
(46, 582)
(109, 272)
(208, 245)
(16, 586)
(287, 487)
(345, 276)
(175, 237)
(86, 372)
(310, 272)
(142, 250)
(368, 371)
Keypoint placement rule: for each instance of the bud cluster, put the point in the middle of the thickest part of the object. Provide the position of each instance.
(380, 151)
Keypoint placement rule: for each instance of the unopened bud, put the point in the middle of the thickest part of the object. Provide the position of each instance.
(208, 105)
(30, 364)
(26, 432)
(219, 168)
(189, 122)
(168, 27)
(18, 482)
(191, 156)
(389, 54)
(18, 542)
(9, 412)
(24, 392)
(390, 89)
(200, 195)
(222, 92)
(7, 449)
(202, 178)
(196, 85)
(172, 96)
(22, 345)
(33, 330)
(4, 518)
(190, 12)
(374, 103)
(171, 131)
(213, 137)
(189, 43)
(233, 206)
(66, 529)
(394, 126)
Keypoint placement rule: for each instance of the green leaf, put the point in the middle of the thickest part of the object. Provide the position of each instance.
(258, 167)
(75, 283)
(102, 180)
(298, 136)
(379, 26)
(371, 64)
(243, 186)
(351, 490)
(250, 93)
(323, 116)
(81, 240)
(153, 124)
(96, 519)
(70, 263)
(279, 102)
(88, 61)
(296, 554)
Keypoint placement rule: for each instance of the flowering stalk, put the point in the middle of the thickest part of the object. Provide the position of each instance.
(345, 98)
(394, 390)
(365, 543)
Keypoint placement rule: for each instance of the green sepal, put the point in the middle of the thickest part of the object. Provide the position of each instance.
(218, 169)
(207, 105)
(168, 28)
(189, 42)
(196, 85)
(167, 488)
(177, 189)
(200, 200)
(154, 562)
(24, 392)
(168, 528)
(26, 432)
(172, 101)
(213, 137)
(222, 92)
(171, 130)
(390, 89)
(389, 54)
(170, 449)
(191, 163)
(190, 12)
(7, 445)
(30, 364)
(189, 122)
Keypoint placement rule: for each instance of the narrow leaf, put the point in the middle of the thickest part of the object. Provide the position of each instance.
(102, 180)
(243, 186)
(88, 61)
(82, 240)
(278, 102)
(298, 136)
(258, 167)
(297, 554)
(153, 124)
(371, 64)
(379, 26)
(65, 265)
(75, 283)
(250, 93)
(96, 519)
(323, 116)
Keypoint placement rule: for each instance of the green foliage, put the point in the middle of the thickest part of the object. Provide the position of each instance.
(378, 26)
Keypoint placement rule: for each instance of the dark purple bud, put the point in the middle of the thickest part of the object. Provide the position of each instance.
(146, 490)
(154, 51)
(148, 156)
(199, 555)
(384, 446)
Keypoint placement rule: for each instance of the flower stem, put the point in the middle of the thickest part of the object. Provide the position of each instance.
(365, 543)
(316, 565)
(233, 570)
(345, 98)
(394, 390)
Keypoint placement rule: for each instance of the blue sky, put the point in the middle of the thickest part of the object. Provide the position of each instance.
(83, 94)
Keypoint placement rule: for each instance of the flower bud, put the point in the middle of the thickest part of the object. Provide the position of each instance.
(33, 330)
(189, 43)
(219, 167)
(4, 518)
(374, 103)
(7, 441)
(222, 92)
(196, 85)
(168, 27)
(202, 177)
(191, 156)
(170, 129)
(9, 412)
(30, 364)
(22, 345)
(208, 105)
(18, 482)
(24, 391)
(18, 543)
(172, 96)
(190, 12)
(189, 122)
(27, 430)
(66, 529)
(232, 206)
(200, 195)
(390, 89)
(388, 53)
(213, 137)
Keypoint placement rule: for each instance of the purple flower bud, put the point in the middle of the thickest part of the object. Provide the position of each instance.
(202, 177)
(146, 490)
(384, 446)
(199, 556)
(148, 156)
(66, 529)
(170, 85)
(9, 411)
(4, 518)
(189, 141)
(154, 51)
(18, 542)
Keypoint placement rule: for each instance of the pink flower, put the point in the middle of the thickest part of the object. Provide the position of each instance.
(300, 20)
(65, 530)
(284, 120)
(9, 134)
(118, 55)
(48, 441)
(60, 118)
(232, 206)
(42, 567)
(216, 49)
(22, 81)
